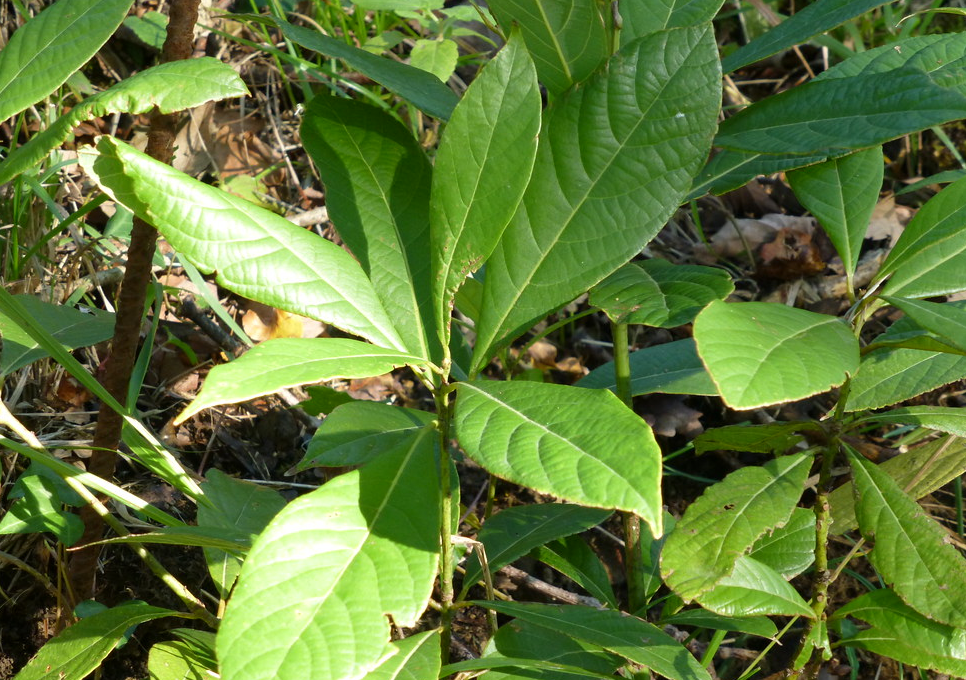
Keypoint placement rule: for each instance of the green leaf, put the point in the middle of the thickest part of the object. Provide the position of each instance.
(841, 194)
(201, 537)
(416, 658)
(658, 293)
(702, 618)
(377, 180)
(42, 54)
(731, 169)
(69, 326)
(946, 320)
(435, 56)
(483, 164)
(150, 28)
(769, 438)
(357, 432)
(289, 362)
(754, 589)
(911, 551)
(922, 470)
(314, 591)
(568, 40)
(516, 667)
(521, 639)
(807, 23)
(77, 651)
(671, 368)
(38, 508)
(928, 259)
(422, 89)
(789, 549)
(890, 376)
(512, 533)
(760, 353)
(603, 183)
(182, 660)
(573, 558)
(951, 420)
(615, 631)
(723, 524)
(171, 87)
(234, 506)
(583, 446)
(900, 632)
(640, 17)
(255, 252)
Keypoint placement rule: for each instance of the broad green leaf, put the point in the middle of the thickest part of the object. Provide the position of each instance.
(170, 87)
(808, 22)
(754, 589)
(512, 533)
(521, 639)
(730, 169)
(930, 256)
(723, 524)
(841, 194)
(573, 558)
(921, 470)
(150, 28)
(436, 56)
(603, 183)
(38, 508)
(640, 17)
(377, 180)
(416, 658)
(289, 362)
(921, 340)
(483, 164)
(789, 549)
(617, 632)
(255, 252)
(180, 660)
(671, 368)
(234, 506)
(948, 321)
(702, 618)
(42, 54)
(69, 326)
(78, 650)
(837, 114)
(583, 446)
(323, 400)
(760, 353)
(900, 632)
(357, 432)
(911, 550)
(201, 537)
(951, 420)
(769, 438)
(422, 89)
(890, 376)
(658, 293)
(568, 40)
(313, 593)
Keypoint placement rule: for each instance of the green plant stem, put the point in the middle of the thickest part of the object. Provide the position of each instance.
(547, 331)
(633, 551)
(712, 649)
(447, 564)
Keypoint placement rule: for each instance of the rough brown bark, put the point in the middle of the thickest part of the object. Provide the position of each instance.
(178, 44)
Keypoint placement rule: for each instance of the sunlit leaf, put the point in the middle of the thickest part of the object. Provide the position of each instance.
(754, 589)
(789, 549)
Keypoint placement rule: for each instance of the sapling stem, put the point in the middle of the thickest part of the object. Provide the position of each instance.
(447, 564)
(633, 554)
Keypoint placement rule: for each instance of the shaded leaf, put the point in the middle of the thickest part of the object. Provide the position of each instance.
(951, 420)
(573, 558)
(702, 618)
(671, 368)
(769, 438)
(522, 639)
(890, 376)
(38, 508)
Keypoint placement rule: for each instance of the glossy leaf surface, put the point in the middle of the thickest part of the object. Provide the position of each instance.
(298, 611)
(723, 524)
(671, 368)
(289, 362)
(658, 293)
(640, 17)
(911, 551)
(948, 321)
(604, 181)
(841, 194)
(482, 167)
(754, 589)
(568, 40)
(759, 353)
(617, 632)
(512, 533)
(583, 446)
(255, 252)
(41, 55)
(171, 87)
